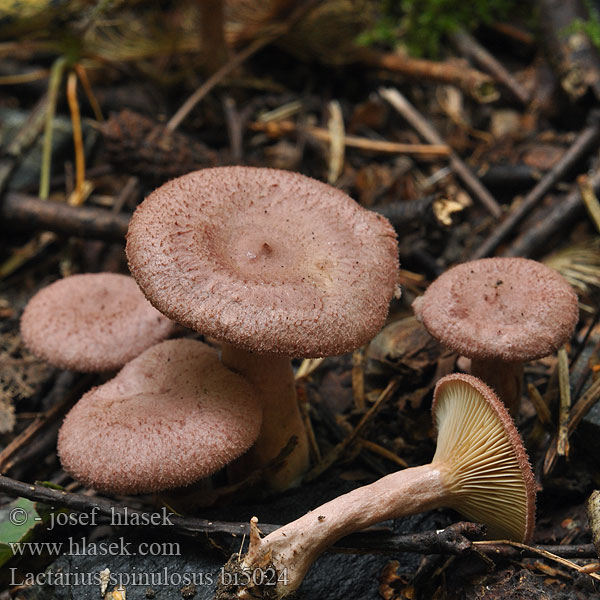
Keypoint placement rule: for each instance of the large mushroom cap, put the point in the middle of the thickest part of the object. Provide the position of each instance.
(171, 416)
(267, 260)
(491, 479)
(92, 322)
(513, 309)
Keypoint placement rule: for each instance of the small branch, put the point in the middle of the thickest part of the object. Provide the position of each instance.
(562, 445)
(580, 146)
(333, 455)
(471, 48)
(455, 72)
(536, 236)
(403, 106)
(66, 390)
(581, 408)
(82, 221)
(22, 141)
(277, 128)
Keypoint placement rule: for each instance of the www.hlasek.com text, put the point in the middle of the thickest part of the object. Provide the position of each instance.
(83, 547)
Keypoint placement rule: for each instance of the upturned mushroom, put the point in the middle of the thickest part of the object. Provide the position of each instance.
(480, 469)
(92, 322)
(500, 313)
(273, 264)
(170, 417)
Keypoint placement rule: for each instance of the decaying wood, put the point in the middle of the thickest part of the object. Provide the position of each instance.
(31, 214)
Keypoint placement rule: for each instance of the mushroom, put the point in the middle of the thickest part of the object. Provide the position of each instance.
(171, 416)
(92, 322)
(480, 469)
(273, 264)
(500, 313)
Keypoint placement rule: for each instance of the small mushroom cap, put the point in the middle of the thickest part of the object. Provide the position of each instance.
(267, 260)
(171, 416)
(487, 465)
(511, 309)
(92, 322)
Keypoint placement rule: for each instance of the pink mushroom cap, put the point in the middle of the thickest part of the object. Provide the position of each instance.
(511, 309)
(267, 260)
(92, 322)
(171, 416)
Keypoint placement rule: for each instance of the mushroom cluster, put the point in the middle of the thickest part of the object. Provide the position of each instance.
(480, 469)
(274, 265)
(500, 313)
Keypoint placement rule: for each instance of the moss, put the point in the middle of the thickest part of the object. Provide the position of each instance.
(591, 26)
(420, 25)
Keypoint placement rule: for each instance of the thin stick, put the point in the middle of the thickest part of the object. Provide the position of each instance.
(471, 48)
(53, 86)
(332, 456)
(410, 113)
(18, 210)
(23, 140)
(581, 408)
(539, 551)
(87, 88)
(562, 445)
(580, 146)
(563, 214)
(274, 128)
(77, 196)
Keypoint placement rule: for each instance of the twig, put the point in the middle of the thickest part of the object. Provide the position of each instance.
(471, 48)
(77, 197)
(402, 105)
(235, 62)
(582, 406)
(455, 72)
(275, 128)
(532, 550)
(556, 221)
(580, 146)
(9, 455)
(332, 456)
(82, 221)
(56, 74)
(562, 444)
(337, 146)
(23, 140)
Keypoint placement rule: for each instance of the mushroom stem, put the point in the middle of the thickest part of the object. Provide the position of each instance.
(292, 549)
(505, 378)
(273, 378)
(480, 469)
